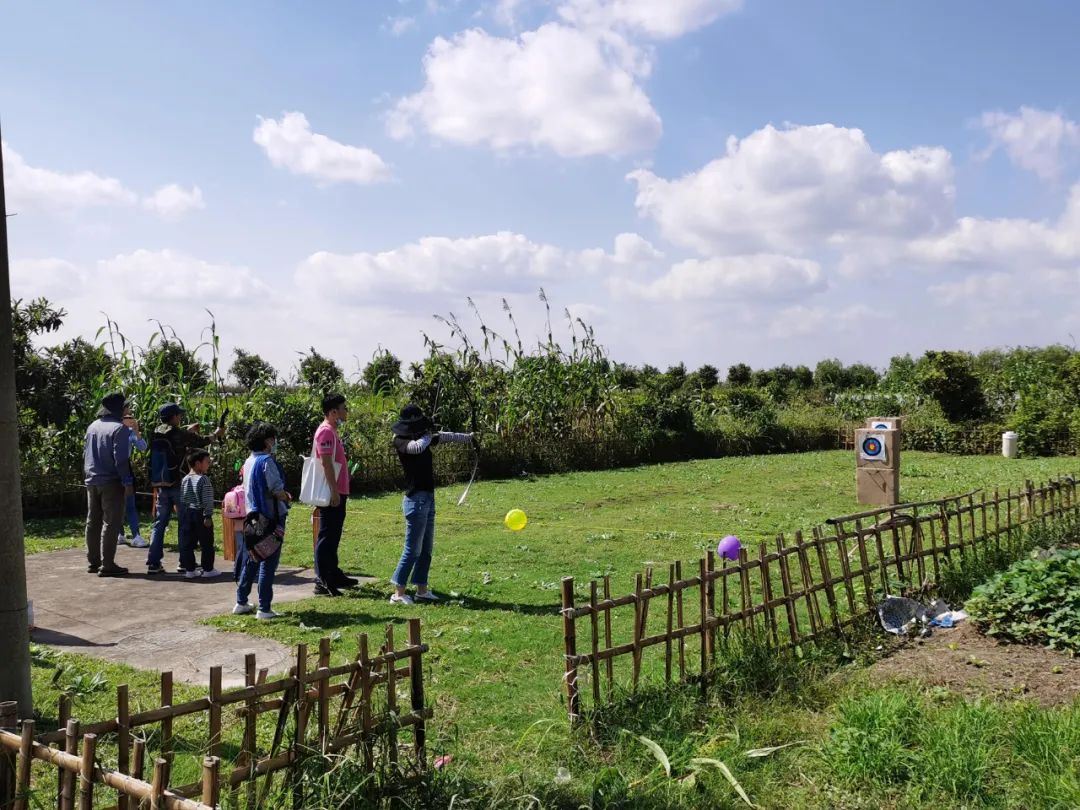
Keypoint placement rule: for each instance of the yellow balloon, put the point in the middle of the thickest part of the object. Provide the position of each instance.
(515, 520)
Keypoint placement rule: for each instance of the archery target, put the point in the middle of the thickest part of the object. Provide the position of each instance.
(873, 448)
(881, 426)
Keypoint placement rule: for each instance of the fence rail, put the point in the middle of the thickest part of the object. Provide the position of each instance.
(311, 711)
(795, 590)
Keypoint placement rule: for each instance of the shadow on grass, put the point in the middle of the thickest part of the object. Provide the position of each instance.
(382, 594)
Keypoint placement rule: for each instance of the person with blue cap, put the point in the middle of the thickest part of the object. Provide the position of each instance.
(169, 446)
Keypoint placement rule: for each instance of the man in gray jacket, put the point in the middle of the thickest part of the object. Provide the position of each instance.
(107, 464)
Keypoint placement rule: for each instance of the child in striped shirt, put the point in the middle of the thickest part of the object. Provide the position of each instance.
(197, 517)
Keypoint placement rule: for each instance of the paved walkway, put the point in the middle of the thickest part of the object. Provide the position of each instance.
(151, 622)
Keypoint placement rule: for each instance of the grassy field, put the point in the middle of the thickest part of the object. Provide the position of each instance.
(494, 672)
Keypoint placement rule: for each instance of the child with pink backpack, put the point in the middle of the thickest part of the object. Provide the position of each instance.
(234, 507)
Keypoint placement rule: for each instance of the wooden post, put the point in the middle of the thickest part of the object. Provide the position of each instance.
(138, 758)
(324, 694)
(703, 608)
(610, 663)
(416, 691)
(639, 609)
(228, 538)
(211, 782)
(789, 601)
(123, 739)
(594, 624)
(365, 705)
(26, 759)
(9, 721)
(670, 622)
(710, 590)
(157, 787)
(166, 722)
(826, 574)
(681, 620)
(71, 746)
(766, 593)
(86, 773)
(391, 698)
(248, 756)
(63, 714)
(215, 711)
(573, 705)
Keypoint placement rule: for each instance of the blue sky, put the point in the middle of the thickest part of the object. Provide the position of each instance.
(703, 180)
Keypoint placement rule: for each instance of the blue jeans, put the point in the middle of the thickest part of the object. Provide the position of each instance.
(419, 509)
(331, 524)
(241, 556)
(132, 514)
(263, 572)
(195, 534)
(167, 498)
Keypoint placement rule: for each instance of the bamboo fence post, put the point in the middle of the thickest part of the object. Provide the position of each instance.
(594, 625)
(638, 612)
(710, 573)
(63, 714)
(391, 697)
(918, 549)
(826, 574)
(789, 600)
(573, 705)
(123, 739)
(157, 787)
(248, 755)
(416, 691)
(324, 694)
(166, 722)
(211, 781)
(864, 561)
(898, 553)
(670, 622)
(806, 576)
(681, 620)
(724, 596)
(997, 518)
(215, 711)
(610, 662)
(973, 539)
(845, 569)
(985, 520)
(767, 595)
(71, 746)
(366, 748)
(704, 624)
(299, 751)
(745, 597)
(26, 759)
(86, 772)
(1029, 496)
(138, 757)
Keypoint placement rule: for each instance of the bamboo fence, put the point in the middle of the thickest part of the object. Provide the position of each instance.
(314, 710)
(794, 590)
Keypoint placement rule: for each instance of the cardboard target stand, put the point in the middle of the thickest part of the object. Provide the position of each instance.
(877, 462)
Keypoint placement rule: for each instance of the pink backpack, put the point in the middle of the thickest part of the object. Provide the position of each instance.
(232, 505)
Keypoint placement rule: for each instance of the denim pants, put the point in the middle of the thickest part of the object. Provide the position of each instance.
(263, 573)
(167, 498)
(419, 509)
(241, 556)
(331, 524)
(132, 514)
(195, 534)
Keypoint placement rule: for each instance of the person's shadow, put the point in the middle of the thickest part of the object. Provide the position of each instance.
(465, 601)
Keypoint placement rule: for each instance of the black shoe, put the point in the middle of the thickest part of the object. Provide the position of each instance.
(155, 569)
(112, 571)
(324, 589)
(345, 581)
(93, 569)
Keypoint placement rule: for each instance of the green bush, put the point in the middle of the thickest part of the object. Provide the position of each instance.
(1035, 601)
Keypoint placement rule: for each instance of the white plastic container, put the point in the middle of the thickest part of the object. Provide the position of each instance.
(1008, 444)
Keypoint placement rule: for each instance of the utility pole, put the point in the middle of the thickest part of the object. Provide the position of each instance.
(14, 622)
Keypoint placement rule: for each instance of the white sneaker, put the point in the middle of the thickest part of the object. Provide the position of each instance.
(193, 574)
(121, 540)
(401, 600)
(426, 596)
(240, 610)
(138, 542)
(213, 572)
(266, 615)
(181, 570)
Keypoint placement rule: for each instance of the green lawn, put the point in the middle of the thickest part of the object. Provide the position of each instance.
(495, 667)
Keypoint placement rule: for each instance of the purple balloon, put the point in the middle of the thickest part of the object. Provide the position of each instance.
(729, 547)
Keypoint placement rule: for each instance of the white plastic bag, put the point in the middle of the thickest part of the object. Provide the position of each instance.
(314, 490)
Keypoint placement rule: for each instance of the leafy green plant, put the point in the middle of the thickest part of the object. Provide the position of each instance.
(1034, 601)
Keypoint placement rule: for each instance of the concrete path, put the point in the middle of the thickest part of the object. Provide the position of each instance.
(151, 622)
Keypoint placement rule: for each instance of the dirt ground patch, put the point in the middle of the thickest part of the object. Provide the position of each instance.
(965, 661)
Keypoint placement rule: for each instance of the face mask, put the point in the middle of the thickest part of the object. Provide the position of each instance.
(340, 421)
(273, 448)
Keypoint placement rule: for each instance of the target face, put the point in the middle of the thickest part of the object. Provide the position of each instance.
(873, 448)
(881, 426)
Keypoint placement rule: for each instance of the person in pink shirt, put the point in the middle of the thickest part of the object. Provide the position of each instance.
(329, 578)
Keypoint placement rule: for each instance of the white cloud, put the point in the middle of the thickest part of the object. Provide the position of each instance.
(31, 186)
(801, 321)
(798, 190)
(171, 202)
(658, 19)
(399, 25)
(754, 277)
(556, 88)
(174, 276)
(1040, 141)
(290, 144)
(31, 278)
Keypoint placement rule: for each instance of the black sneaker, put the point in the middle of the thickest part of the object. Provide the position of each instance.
(323, 589)
(155, 569)
(93, 569)
(112, 571)
(345, 581)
